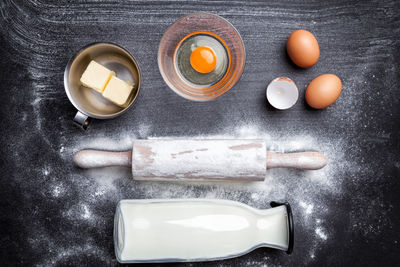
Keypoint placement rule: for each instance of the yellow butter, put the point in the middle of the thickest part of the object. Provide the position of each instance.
(96, 76)
(117, 91)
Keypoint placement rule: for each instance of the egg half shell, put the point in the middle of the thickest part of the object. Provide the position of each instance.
(282, 93)
(323, 91)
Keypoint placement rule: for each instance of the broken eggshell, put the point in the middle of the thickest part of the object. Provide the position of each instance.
(282, 93)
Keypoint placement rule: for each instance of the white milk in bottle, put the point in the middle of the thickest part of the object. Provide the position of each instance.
(196, 229)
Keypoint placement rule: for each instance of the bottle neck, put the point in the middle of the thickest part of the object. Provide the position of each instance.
(273, 228)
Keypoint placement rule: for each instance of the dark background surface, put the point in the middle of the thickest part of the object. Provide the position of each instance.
(53, 213)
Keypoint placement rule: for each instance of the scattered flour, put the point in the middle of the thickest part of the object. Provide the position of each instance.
(46, 170)
(95, 190)
(321, 233)
(304, 190)
(79, 212)
(86, 214)
(308, 208)
(57, 191)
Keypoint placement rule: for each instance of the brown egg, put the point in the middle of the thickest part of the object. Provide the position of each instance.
(323, 91)
(302, 48)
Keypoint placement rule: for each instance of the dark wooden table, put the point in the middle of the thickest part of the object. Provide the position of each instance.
(53, 213)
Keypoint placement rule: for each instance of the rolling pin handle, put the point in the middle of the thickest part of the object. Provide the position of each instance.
(303, 160)
(87, 159)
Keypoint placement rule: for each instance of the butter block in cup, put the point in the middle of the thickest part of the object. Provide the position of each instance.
(96, 76)
(118, 91)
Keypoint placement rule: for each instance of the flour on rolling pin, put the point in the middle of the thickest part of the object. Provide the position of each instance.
(156, 159)
(196, 159)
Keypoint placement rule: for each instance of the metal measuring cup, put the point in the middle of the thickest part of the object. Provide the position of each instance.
(88, 102)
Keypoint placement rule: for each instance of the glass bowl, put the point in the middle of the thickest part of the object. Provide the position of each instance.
(207, 24)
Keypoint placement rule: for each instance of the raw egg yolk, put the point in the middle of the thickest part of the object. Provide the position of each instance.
(203, 59)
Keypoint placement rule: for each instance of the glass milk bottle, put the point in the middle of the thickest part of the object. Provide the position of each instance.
(174, 230)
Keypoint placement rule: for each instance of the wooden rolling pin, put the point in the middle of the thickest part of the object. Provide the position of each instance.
(243, 160)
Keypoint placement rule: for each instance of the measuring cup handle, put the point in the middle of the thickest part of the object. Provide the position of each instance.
(82, 120)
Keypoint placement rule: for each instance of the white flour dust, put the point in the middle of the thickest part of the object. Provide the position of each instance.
(321, 233)
(46, 170)
(304, 190)
(80, 211)
(57, 191)
(87, 249)
(308, 208)
(88, 196)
